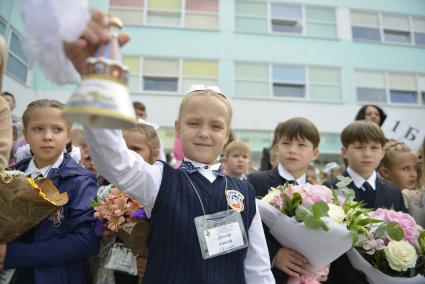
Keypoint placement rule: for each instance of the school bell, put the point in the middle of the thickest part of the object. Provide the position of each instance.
(102, 99)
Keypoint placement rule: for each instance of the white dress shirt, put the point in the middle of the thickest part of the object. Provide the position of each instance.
(302, 180)
(359, 181)
(131, 174)
(34, 172)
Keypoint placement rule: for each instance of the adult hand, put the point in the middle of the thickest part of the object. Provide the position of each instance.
(3, 248)
(96, 33)
(290, 262)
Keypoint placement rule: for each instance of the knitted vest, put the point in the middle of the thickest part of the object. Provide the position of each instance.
(175, 254)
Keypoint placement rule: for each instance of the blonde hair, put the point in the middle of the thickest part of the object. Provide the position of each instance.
(421, 166)
(206, 92)
(42, 103)
(152, 139)
(237, 146)
(391, 149)
(3, 59)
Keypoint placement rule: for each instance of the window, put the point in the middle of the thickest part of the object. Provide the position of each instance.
(195, 14)
(325, 84)
(287, 81)
(286, 18)
(384, 87)
(252, 80)
(419, 30)
(17, 64)
(365, 26)
(421, 84)
(160, 75)
(403, 88)
(2, 27)
(169, 75)
(388, 28)
(315, 21)
(371, 86)
(321, 22)
(396, 29)
(251, 17)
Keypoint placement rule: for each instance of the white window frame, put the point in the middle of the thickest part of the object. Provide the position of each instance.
(382, 29)
(387, 88)
(304, 22)
(179, 77)
(182, 12)
(307, 83)
(9, 32)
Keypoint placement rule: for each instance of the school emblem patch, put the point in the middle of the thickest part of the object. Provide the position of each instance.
(235, 200)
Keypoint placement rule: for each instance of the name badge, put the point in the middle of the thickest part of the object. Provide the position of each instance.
(220, 233)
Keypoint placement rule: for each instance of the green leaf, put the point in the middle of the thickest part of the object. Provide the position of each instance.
(301, 212)
(323, 225)
(368, 221)
(380, 232)
(335, 197)
(310, 222)
(355, 237)
(320, 209)
(394, 231)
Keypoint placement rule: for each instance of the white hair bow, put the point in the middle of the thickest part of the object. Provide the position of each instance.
(144, 122)
(202, 87)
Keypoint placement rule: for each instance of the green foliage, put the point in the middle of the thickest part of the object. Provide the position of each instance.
(394, 231)
(95, 202)
(312, 219)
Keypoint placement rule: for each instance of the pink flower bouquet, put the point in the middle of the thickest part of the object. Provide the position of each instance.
(298, 218)
(122, 214)
(392, 251)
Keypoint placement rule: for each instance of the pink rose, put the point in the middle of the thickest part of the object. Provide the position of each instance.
(406, 222)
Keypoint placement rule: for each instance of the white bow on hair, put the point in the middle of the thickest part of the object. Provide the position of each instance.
(202, 87)
(144, 122)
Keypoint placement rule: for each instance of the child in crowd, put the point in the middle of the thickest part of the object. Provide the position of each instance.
(143, 140)
(296, 142)
(55, 250)
(363, 144)
(398, 165)
(311, 174)
(174, 198)
(140, 110)
(236, 158)
(332, 170)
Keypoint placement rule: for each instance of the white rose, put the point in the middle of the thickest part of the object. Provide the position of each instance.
(337, 213)
(400, 255)
(269, 197)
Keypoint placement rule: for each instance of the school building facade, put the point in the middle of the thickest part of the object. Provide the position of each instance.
(273, 59)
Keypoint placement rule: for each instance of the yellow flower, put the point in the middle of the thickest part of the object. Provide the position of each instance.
(400, 255)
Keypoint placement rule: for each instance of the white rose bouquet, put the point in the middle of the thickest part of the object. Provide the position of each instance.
(392, 251)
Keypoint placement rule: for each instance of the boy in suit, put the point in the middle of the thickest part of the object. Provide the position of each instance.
(296, 142)
(363, 144)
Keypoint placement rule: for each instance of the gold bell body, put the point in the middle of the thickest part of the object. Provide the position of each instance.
(102, 99)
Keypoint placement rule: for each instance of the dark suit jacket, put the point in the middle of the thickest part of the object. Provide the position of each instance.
(386, 196)
(262, 181)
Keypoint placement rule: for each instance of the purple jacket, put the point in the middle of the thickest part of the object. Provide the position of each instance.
(57, 253)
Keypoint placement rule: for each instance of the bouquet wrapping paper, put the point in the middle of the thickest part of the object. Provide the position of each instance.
(374, 276)
(22, 206)
(318, 246)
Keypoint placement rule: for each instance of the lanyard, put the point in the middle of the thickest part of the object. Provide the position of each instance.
(196, 191)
